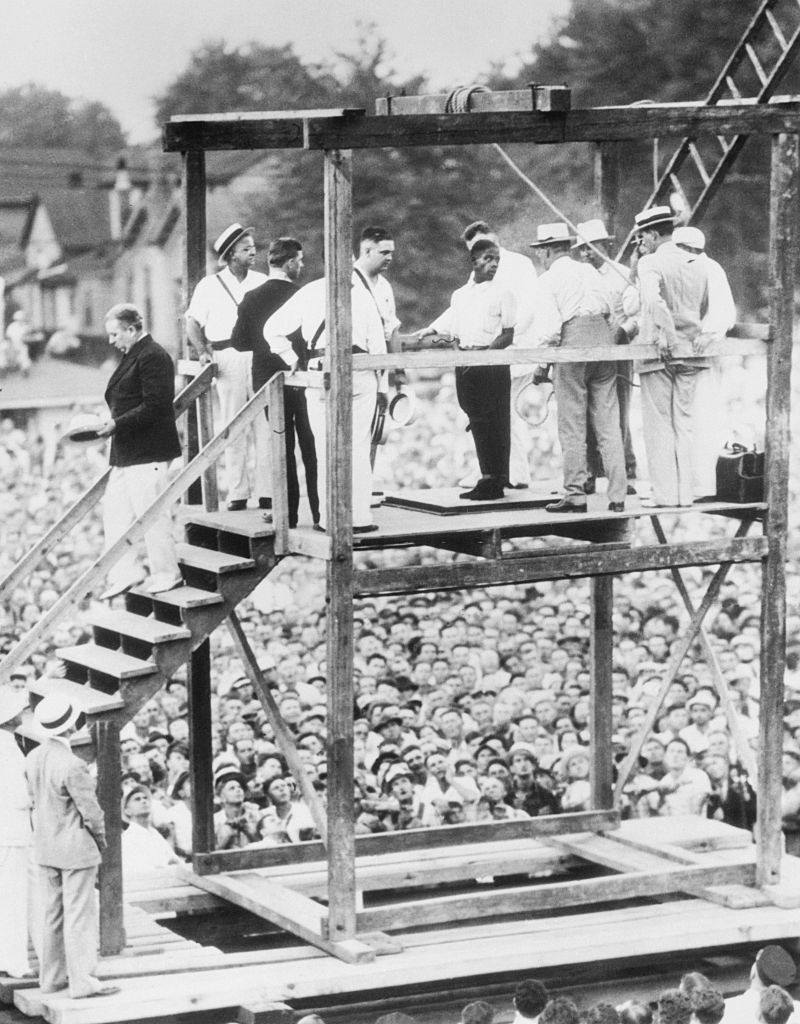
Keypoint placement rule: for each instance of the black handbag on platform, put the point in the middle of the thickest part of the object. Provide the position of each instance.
(740, 474)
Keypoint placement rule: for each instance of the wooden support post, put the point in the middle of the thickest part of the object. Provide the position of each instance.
(338, 263)
(200, 428)
(606, 183)
(200, 756)
(782, 269)
(109, 784)
(277, 440)
(601, 726)
(283, 734)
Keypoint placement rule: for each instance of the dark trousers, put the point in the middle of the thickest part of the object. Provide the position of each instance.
(594, 462)
(297, 426)
(484, 393)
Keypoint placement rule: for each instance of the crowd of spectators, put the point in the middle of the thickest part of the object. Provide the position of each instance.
(469, 706)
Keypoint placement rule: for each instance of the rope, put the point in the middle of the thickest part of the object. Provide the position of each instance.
(458, 100)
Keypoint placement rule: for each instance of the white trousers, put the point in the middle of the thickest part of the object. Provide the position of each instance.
(667, 405)
(365, 389)
(709, 427)
(234, 385)
(69, 951)
(15, 916)
(131, 490)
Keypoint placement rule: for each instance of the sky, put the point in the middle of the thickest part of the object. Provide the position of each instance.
(125, 52)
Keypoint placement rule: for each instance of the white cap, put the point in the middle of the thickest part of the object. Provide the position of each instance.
(546, 234)
(691, 237)
(591, 231)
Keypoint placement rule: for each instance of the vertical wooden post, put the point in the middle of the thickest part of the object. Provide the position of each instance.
(277, 440)
(198, 685)
(782, 268)
(601, 718)
(606, 183)
(200, 427)
(339, 270)
(109, 786)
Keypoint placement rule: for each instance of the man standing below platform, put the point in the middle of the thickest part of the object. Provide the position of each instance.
(515, 274)
(210, 319)
(303, 316)
(285, 258)
(572, 313)
(673, 297)
(481, 316)
(591, 245)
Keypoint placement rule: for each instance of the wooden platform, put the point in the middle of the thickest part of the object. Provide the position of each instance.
(447, 501)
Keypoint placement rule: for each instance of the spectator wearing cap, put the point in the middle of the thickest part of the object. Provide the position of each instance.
(672, 292)
(68, 838)
(709, 412)
(210, 320)
(530, 998)
(15, 839)
(236, 822)
(406, 808)
(772, 966)
(143, 847)
(701, 707)
(572, 310)
(574, 770)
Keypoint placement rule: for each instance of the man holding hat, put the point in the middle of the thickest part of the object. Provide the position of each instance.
(15, 839)
(592, 245)
(673, 297)
(572, 313)
(210, 320)
(68, 838)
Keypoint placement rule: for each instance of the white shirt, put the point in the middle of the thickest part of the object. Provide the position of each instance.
(306, 310)
(145, 849)
(15, 822)
(216, 310)
(383, 296)
(721, 314)
(743, 1009)
(477, 314)
(517, 274)
(565, 290)
(615, 281)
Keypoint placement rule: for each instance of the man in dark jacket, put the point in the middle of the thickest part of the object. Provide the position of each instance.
(144, 440)
(285, 258)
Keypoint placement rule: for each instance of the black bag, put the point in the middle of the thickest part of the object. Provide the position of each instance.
(740, 474)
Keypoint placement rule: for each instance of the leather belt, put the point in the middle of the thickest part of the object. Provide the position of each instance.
(218, 346)
(474, 348)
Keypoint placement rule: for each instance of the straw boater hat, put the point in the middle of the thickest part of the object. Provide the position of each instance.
(83, 428)
(591, 231)
(55, 714)
(226, 241)
(11, 703)
(547, 234)
(653, 216)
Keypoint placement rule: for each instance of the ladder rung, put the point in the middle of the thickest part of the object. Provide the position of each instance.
(776, 29)
(723, 144)
(732, 85)
(751, 53)
(698, 161)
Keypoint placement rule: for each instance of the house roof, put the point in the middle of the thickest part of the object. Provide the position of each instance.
(81, 218)
(53, 382)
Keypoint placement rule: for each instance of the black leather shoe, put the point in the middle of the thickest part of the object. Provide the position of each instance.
(483, 492)
(237, 505)
(318, 528)
(631, 489)
(616, 506)
(589, 485)
(371, 528)
(565, 506)
(265, 502)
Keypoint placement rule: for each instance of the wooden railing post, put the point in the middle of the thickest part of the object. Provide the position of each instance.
(606, 183)
(338, 262)
(601, 717)
(198, 687)
(109, 785)
(782, 269)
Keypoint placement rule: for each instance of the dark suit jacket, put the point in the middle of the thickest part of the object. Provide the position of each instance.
(140, 395)
(255, 309)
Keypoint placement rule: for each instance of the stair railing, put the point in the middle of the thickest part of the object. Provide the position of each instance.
(96, 573)
(92, 495)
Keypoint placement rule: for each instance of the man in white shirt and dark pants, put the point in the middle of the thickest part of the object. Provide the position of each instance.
(572, 313)
(210, 320)
(482, 316)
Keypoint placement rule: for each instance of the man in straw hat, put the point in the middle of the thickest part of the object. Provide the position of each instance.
(15, 839)
(210, 320)
(68, 838)
(673, 298)
(572, 314)
(592, 245)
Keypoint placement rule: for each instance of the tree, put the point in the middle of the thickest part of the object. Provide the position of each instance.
(32, 115)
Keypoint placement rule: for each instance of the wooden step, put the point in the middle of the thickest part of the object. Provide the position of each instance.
(109, 663)
(148, 630)
(182, 597)
(212, 561)
(92, 701)
(244, 524)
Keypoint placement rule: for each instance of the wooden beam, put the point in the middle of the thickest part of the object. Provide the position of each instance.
(601, 725)
(198, 689)
(549, 896)
(416, 839)
(277, 440)
(575, 564)
(607, 161)
(193, 196)
(339, 521)
(783, 252)
(283, 734)
(109, 774)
